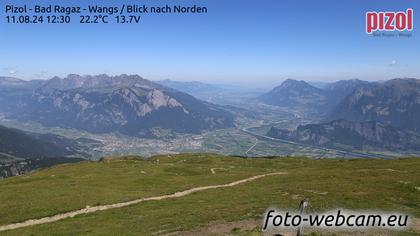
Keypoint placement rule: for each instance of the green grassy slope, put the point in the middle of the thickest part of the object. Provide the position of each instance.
(354, 184)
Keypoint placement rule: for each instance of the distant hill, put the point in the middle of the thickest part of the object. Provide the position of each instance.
(11, 82)
(127, 104)
(16, 143)
(359, 135)
(16, 92)
(215, 93)
(293, 93)
(340, 89)
(318, 84)
(395, 102)
(194, 88)
(321, 97)
(22, 152)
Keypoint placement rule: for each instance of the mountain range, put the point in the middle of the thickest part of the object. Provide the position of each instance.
(351, 135)
(355, 113)
(127, 104)
(395, 102)
(352, 113)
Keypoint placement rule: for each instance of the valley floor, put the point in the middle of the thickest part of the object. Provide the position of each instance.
(247, 139)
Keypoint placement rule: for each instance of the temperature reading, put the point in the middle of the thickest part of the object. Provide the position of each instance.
(87, 19)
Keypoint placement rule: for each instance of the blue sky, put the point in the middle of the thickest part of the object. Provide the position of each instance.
(240, 42)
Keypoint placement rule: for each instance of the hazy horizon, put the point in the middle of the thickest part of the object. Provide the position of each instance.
(264, 85)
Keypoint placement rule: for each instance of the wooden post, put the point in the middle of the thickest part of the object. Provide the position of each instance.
(303, 204)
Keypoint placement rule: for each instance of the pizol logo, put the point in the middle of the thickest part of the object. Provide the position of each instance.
(389, 21)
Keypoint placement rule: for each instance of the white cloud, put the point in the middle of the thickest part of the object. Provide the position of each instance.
(9, 70)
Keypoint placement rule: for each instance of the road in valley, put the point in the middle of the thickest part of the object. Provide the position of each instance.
(342, 152)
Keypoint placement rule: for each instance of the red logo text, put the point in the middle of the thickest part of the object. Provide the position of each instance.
(389, 21)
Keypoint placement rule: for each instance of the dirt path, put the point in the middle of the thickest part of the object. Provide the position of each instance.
(213, 170)
(88, 209)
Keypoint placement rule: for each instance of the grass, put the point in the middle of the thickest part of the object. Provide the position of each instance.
(359, 184)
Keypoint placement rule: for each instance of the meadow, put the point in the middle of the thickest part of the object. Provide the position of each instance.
(356, 184)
